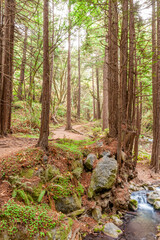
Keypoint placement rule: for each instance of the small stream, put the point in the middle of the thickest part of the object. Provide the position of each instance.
(142, 226)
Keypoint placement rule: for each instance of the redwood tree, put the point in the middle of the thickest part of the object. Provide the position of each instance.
(44, 131)
(113, 68)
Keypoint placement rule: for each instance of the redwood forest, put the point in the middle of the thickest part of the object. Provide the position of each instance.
(80, 119)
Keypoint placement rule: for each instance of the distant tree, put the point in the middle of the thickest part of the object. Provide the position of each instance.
(23, 65)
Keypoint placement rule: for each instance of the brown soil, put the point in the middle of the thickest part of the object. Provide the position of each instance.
(11, 145)
(62, 133)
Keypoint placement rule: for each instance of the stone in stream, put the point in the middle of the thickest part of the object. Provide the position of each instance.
(153, 197)
(89, 162)
(103, 176)
(117, 220)
(112, 230)
(157, 205)
(133, 205)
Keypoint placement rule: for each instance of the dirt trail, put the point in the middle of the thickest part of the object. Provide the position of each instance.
(62, 133)
(11, 144)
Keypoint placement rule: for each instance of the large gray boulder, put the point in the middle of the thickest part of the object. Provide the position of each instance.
(68, 204)
(103, 176)
(112, 230)
(89, 162)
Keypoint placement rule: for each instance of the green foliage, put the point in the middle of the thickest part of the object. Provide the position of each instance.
(13, 217)
(73, 146)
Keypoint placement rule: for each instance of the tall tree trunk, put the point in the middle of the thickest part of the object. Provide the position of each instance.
(157, 120)
(68, 126)
(44, 131)
(98, 97)
(1, 58)
(52, 54)
(11, 51)
(93, 89)
(154, 81)
(105, 80)
(22, 73)
(5, 115)
(131, 64)
(79, 76)
(124, 57)
(120, 112)
(113, 68)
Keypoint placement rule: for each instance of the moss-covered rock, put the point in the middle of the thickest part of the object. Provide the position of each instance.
(77, 172)
(68, 204)
(133, 205)
(103, 176)
(97, 213)
(89, 162)
(63, 232)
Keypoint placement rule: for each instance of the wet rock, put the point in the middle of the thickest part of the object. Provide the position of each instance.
(103, 176)
(68, 204)
(133, 205)
(97, 213)
(151, 188)
(157, 205)
(112, 230)
(89, 162)
(117, 221)
(153, 197)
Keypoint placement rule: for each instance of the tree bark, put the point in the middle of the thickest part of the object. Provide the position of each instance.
(22, 73)
(44, 131)
(105, 87)
(124, 58)
(6, 97)
(113, 68)
(93, 89)
(98, 97)
(131, 64)
(154, 81)
(68, 126)
(79, 77)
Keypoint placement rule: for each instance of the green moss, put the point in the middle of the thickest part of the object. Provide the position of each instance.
(63, 231)
(98, 228)
(77, 172)
(27, 173)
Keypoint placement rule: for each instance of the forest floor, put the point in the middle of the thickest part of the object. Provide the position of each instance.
(12, 144)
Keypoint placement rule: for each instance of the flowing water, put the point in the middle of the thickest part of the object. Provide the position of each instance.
(142, 226)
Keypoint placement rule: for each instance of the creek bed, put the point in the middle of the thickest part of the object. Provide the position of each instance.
(142, 226)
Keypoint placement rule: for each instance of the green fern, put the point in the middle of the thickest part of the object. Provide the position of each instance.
(41, 195)
(21, 193)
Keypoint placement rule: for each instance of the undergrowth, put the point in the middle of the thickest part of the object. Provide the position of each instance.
(36, 218)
